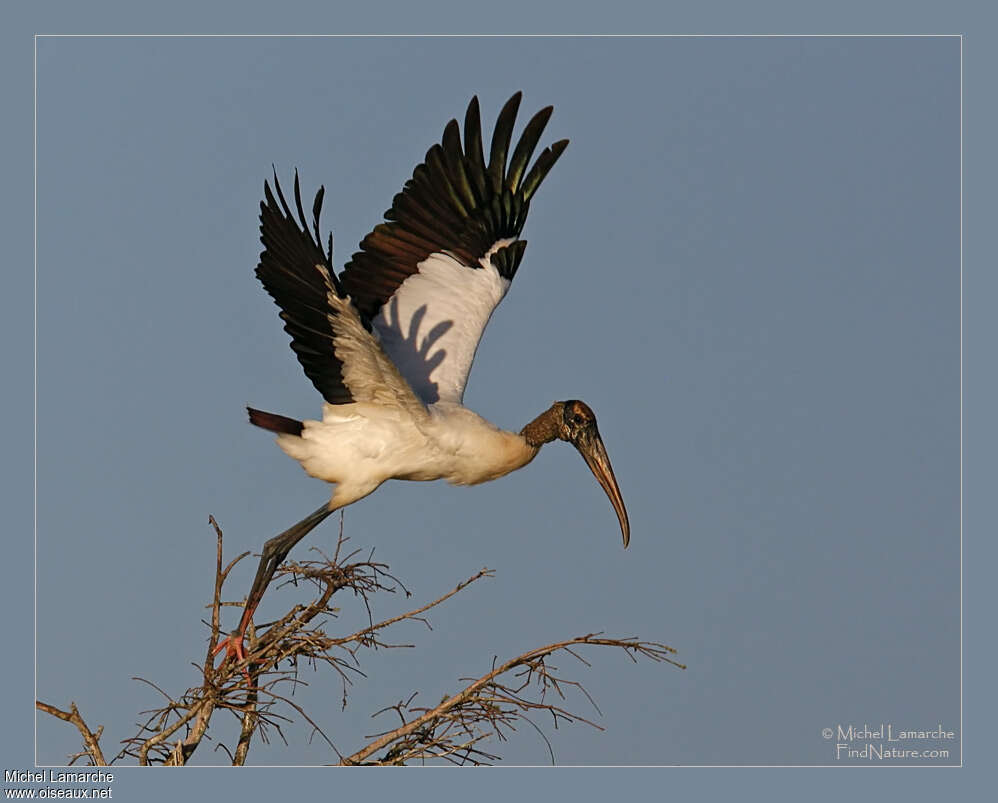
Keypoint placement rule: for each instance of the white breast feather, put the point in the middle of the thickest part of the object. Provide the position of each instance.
(432, 324)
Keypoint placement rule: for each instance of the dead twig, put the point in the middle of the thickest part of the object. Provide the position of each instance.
(91, 740)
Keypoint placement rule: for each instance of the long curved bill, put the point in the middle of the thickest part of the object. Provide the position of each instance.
(591, 447)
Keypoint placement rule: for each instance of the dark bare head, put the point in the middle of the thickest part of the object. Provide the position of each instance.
(575, 422)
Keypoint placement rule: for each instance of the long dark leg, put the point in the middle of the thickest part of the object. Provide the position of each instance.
(274, 553)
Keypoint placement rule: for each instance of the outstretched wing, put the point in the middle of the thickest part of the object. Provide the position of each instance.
(337, 350)
(429, 278)
(288, 270)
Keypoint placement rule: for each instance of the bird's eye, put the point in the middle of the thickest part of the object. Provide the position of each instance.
(579, 419)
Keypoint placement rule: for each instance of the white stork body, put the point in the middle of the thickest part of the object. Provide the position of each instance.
(389, 342)
(359, 446)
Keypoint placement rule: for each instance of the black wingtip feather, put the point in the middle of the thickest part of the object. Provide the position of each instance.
(301, 210)
(525, 148)
(541, 167)
(501, 137)
(280, 195)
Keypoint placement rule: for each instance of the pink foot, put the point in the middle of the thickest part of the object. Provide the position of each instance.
(233, 646)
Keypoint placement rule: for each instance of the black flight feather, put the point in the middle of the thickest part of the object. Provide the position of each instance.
(288, 271)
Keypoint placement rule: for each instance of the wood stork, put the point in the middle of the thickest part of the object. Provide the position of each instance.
(390, 341)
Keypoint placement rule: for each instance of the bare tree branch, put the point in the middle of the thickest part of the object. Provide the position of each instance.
(455, 731)
(486, 705)
(91, 740)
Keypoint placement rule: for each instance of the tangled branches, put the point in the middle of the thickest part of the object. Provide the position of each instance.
(487, 708)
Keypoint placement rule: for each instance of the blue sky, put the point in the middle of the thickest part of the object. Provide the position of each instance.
(755, 245)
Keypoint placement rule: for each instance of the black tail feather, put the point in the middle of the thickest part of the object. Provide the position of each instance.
(274, 422)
